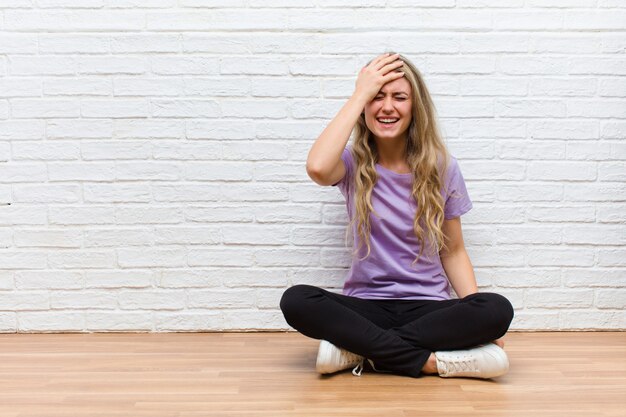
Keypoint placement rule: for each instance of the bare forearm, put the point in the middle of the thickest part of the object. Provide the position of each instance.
(326, 151)
(460, 272)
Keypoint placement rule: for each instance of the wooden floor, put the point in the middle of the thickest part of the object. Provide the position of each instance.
(272, 375)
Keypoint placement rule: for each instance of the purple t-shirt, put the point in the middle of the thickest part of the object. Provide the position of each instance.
(387, 272)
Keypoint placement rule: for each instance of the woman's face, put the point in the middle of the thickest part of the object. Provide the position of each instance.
(389, 114)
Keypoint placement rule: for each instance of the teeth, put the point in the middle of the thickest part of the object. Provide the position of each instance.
(387, 120)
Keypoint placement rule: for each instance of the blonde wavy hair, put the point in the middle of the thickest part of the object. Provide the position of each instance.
(427, 158)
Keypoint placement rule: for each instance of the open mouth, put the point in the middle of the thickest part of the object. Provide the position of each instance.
(387, 120)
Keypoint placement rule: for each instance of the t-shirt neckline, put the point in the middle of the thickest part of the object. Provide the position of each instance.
(404, 174)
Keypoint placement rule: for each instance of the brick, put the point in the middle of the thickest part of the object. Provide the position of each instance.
(184, 65)
(119, 108)
(496, 257)
(612, 257)
(254, 109)
(142, 43)
(20, 87)
(495, 128)
(125, 171)
(101, 238)
(75, 20)
(318, 236)
(533, 319)
(254, 151)
(218, 171)
(595, 109)
(42, 65)
(562, 171)
(111, 150)
(50, 321)
(82, 259)
(150, 257)
(615, 192)
(530, 150)
(25, 300)
(222, 86)
(147, 87)
(44, 108)
(595, 20)
(218, 213)
(255, 235)
(561, 213)
(8, 322)
(53, 43)
(186, 192)
(223, 299)
(612, 129)
(612, 171)
(493, 87)
(149, 129)
(92, 171)
(286, 257)
(194, 278)
(118, 321)
(255, 277)
(190, 321)
(196, 235)
(587, 151)
(613, 213)
(18, 43)
(529, 192)
(79, 129)
(77, 300)
(583, 320)
(593, 278)
(86, 215)
(116, 278)
(43, 280)
(46, 193)
(280, 173)
(494, 170)
(32, 238)
(292, 213)
(564, 43)
(116, 193)
(220, 257)
(530, 108)
(563, 87)
(22, 214)
(560, 257)
(152, 300)
(611, 87)
(464, 108)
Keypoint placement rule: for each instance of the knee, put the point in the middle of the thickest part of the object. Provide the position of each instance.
(503, 311)
(495, 310)
(294, 299)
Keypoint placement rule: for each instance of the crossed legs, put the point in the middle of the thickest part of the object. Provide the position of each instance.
(397, 335)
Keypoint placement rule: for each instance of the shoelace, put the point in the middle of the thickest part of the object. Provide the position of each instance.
(358, 369)
(460, 365)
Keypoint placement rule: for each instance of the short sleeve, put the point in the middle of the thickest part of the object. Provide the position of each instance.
(457, 200)
(344, 184)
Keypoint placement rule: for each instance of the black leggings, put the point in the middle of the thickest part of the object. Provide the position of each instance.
(397, 335)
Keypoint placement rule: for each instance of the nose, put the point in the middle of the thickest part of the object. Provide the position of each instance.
(387, 104)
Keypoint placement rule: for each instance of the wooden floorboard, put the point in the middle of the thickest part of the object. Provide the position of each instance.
(272, 375)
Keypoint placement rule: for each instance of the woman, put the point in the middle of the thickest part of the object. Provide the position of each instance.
(405, 195)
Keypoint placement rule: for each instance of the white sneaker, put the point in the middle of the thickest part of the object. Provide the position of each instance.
(485, 361)
(331, 359)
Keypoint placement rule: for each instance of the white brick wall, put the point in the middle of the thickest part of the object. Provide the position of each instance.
(152, 154)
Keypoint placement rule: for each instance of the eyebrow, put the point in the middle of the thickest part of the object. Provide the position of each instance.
(395, 93)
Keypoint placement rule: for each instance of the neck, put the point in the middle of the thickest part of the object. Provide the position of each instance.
(391, 152)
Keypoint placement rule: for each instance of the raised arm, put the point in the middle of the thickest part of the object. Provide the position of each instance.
(324, 164)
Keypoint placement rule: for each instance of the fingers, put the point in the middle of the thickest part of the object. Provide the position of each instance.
(386, 61)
